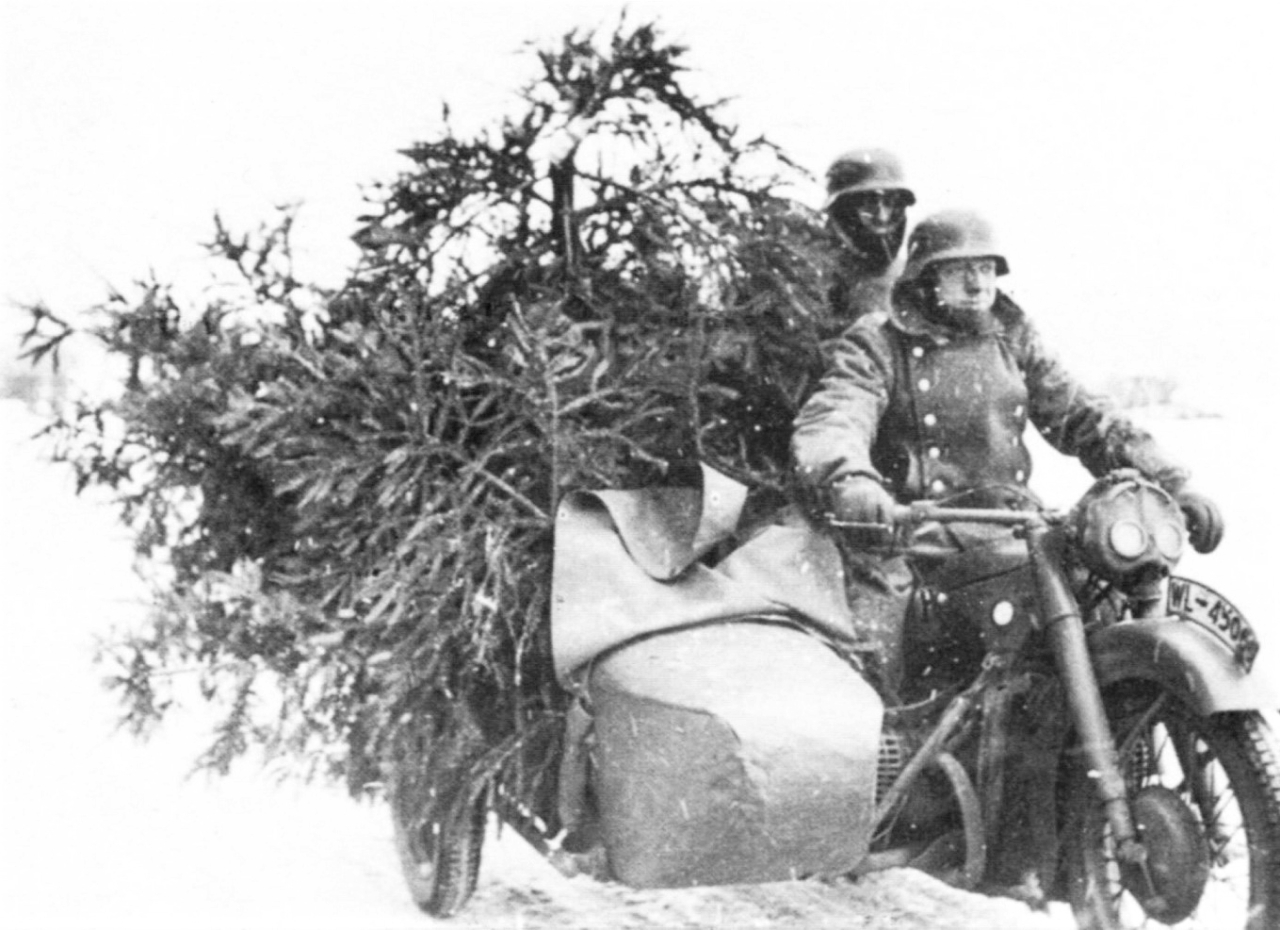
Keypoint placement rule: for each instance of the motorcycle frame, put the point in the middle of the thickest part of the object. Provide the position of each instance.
(1063, 623)
(1185, 660)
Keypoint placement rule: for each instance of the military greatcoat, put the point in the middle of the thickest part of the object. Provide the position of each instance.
(859, 286)
(939, 413)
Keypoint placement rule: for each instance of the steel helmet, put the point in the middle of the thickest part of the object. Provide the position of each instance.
(951, 234)
(865, 170)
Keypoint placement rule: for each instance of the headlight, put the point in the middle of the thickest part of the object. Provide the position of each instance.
(1128, 539)
(1170, 540)
(1128, 529)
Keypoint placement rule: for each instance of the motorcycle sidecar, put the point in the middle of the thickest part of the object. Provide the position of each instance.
(731, 753)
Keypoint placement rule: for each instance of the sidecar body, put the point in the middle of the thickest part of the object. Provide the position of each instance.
(735, 752)
(725, 741)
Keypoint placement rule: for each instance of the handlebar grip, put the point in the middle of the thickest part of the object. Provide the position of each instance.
(912, 513)
(899, 514)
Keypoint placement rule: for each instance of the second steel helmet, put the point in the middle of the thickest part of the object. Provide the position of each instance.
(951, 234)
(865, 170)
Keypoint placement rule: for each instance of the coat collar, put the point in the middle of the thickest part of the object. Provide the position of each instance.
(906, 314)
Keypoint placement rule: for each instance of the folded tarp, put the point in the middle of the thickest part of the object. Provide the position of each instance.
(630, 563)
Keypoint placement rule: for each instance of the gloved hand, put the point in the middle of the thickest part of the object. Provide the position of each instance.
(1204, 520)
(861, 499)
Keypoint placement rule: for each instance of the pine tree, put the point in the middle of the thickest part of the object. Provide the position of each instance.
(351, 493)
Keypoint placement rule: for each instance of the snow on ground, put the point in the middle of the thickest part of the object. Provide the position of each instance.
(98, 830)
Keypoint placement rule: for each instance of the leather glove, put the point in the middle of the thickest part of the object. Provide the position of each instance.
(861, 499)
(1204, 520)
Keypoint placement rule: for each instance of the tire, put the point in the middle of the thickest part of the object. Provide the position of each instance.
(440, 861)
(1225, 872)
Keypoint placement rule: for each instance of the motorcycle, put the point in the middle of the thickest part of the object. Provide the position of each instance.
(1073, 721)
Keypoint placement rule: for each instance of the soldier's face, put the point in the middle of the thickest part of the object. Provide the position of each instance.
(967, 284)
(879, 212)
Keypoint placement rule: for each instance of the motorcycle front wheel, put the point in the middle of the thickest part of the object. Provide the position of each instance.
(1205, 793)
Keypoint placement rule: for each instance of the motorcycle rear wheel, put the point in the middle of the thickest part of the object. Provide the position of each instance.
(1225, 773)
(440, 861)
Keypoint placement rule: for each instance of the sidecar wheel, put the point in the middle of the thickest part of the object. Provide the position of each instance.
(440, 861)
(1207, 793)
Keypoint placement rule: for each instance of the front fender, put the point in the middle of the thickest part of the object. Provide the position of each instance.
(1185, 659)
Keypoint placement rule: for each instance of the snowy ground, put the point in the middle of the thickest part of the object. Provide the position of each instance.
(98, 830)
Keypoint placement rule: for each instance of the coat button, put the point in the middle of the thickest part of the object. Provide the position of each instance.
(918, 351)
(935, 452)
(930, 419)
(923, 384)
(1020, 475)
(938, 486)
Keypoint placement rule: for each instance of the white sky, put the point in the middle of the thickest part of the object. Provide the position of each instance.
(1124, 148)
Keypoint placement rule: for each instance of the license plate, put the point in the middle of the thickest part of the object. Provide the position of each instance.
(1206, 608)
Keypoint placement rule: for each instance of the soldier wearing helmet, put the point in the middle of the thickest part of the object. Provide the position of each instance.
(866, 211)
(931, 401)
(866, 208)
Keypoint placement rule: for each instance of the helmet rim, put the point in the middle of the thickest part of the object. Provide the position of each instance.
(948, 235)
(864, 170)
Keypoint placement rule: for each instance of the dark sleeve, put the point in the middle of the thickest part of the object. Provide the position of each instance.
(836, 427)
(1078, 422)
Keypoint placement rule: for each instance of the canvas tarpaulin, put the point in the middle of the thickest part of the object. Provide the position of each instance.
(720, 752)
(731, 753)
(629, 563)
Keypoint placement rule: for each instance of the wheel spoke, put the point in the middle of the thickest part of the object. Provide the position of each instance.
(1229, 783)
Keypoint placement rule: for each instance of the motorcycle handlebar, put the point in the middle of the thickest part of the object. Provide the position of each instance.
(924, 511)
